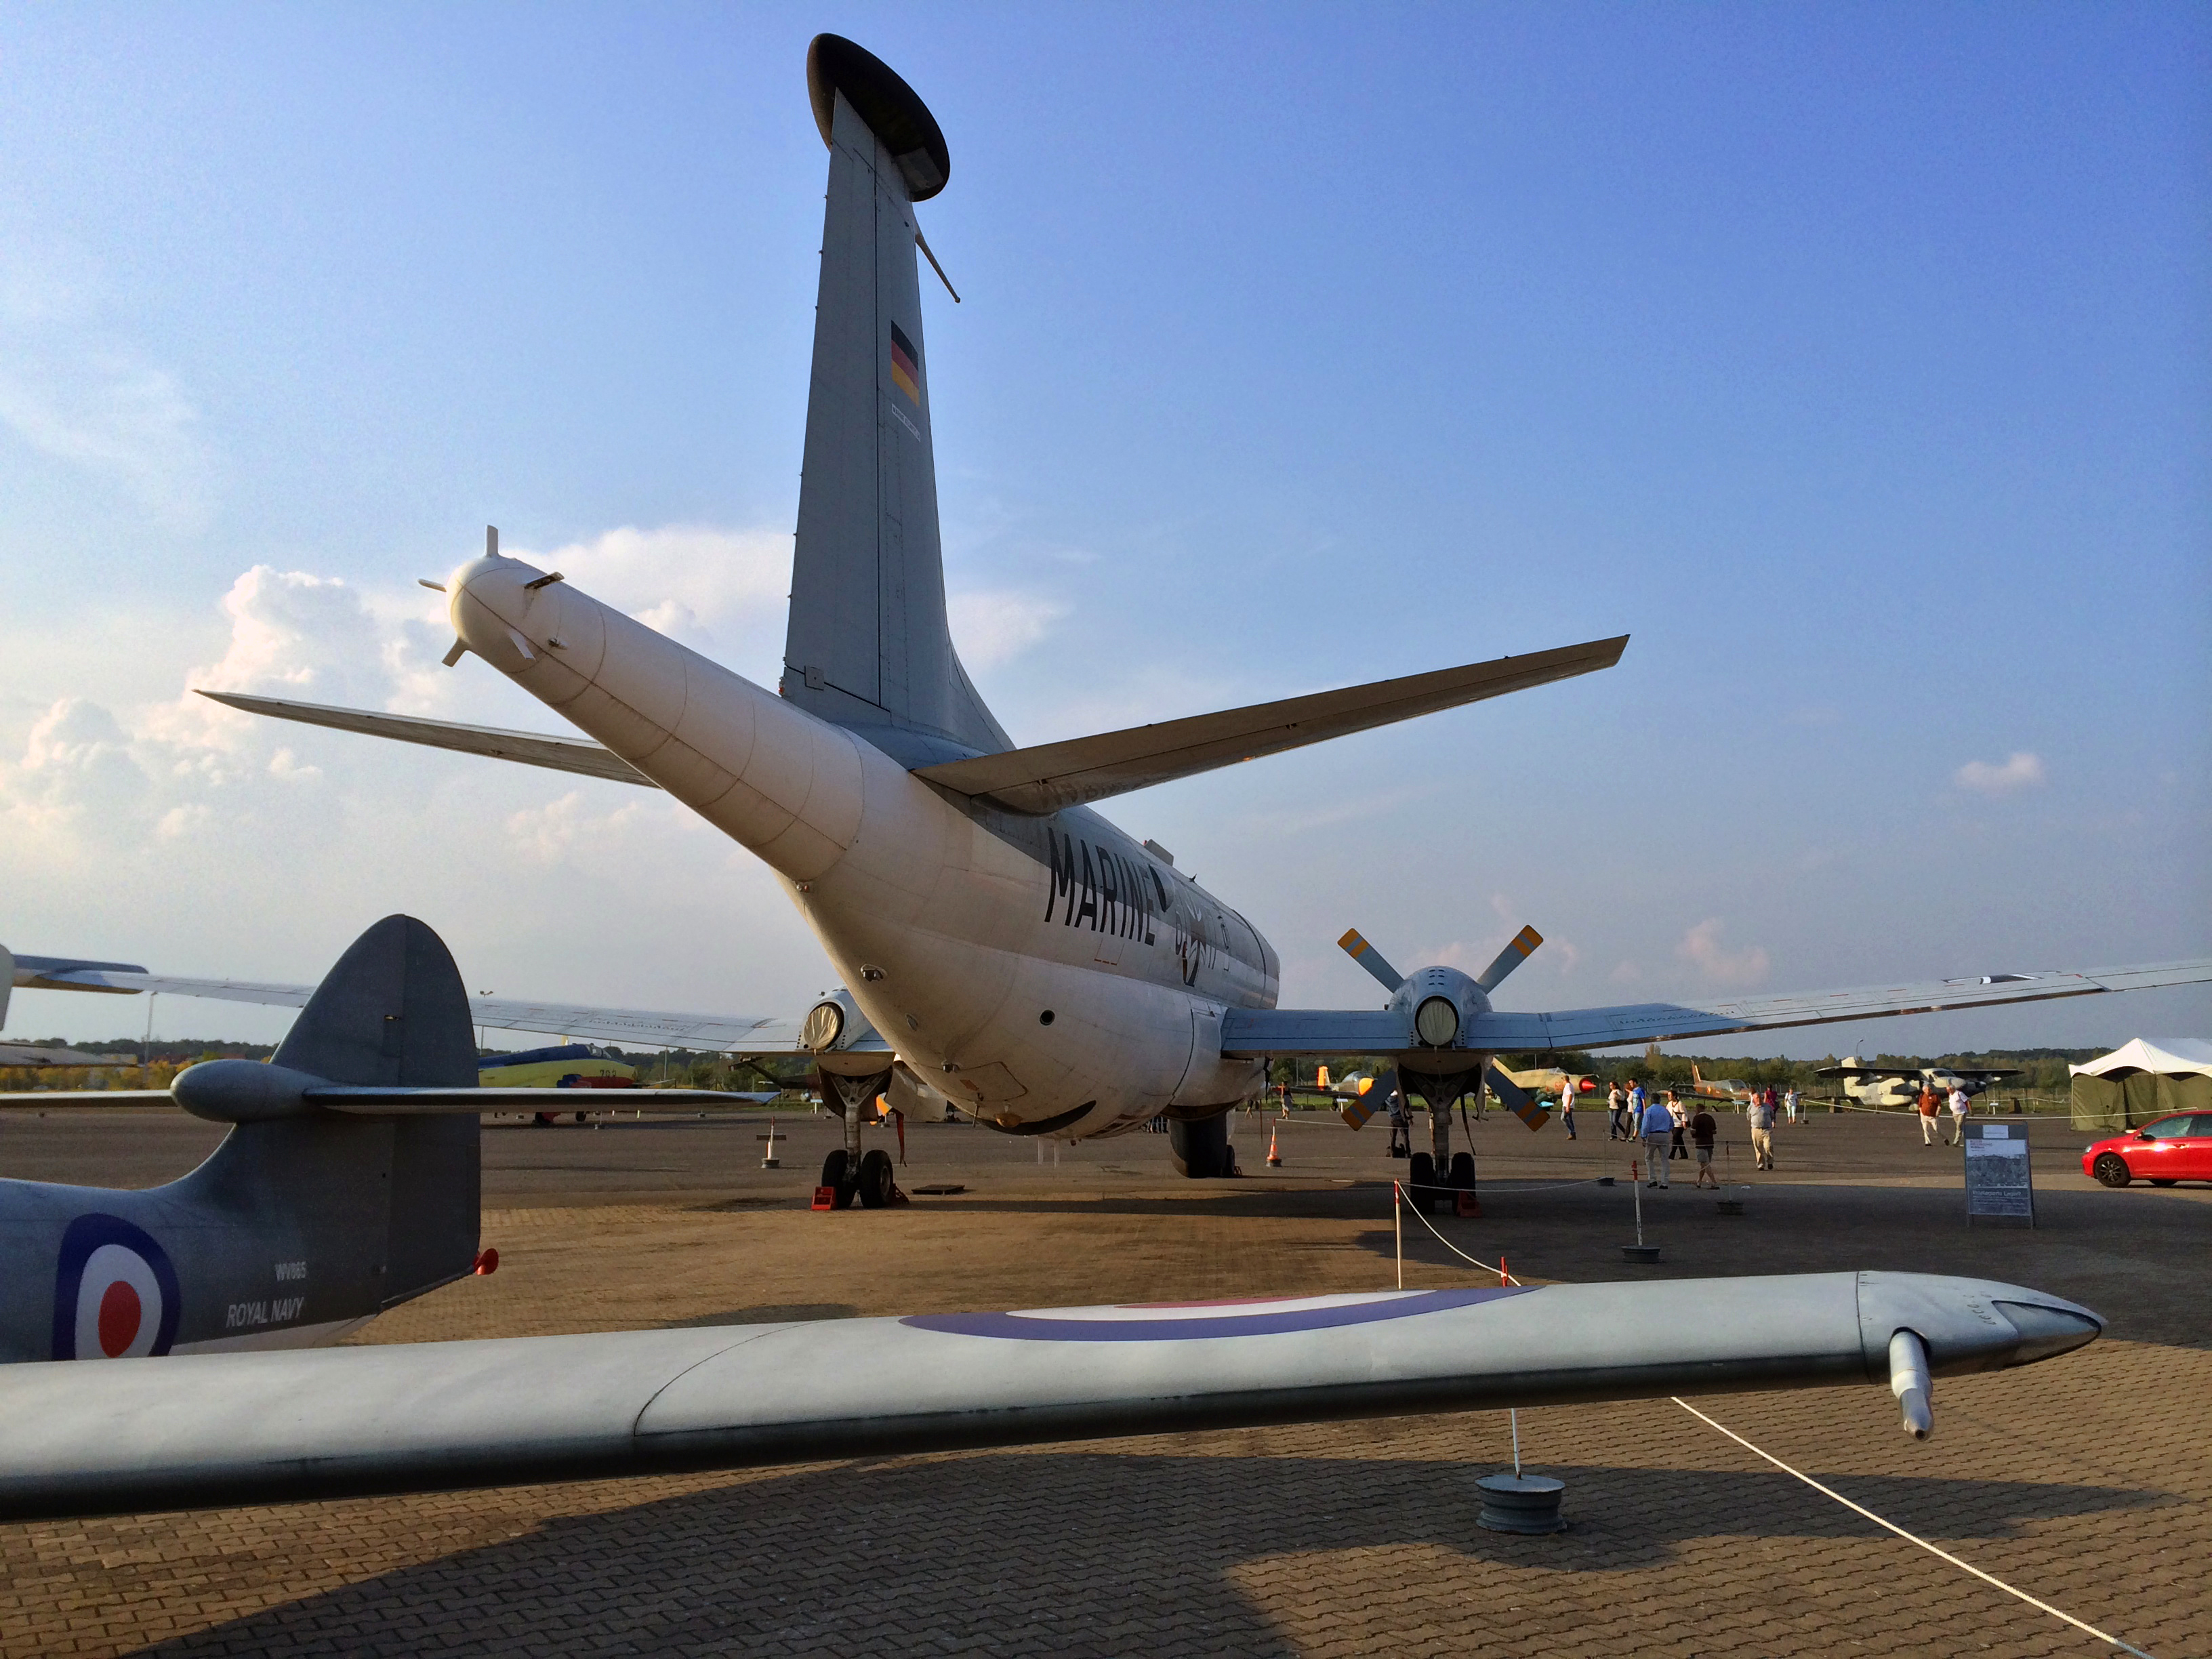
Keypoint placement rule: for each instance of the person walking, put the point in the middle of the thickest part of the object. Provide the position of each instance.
(1926, 1107)
(1960, 1103)
(1761, 1114)
(1789, 1105)
(1704, 1131)
(1681, 1115)
(1612, 1103)
(1567, 1106)
(1658, 1130)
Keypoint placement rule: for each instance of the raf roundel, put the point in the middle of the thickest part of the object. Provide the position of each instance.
(115, 1293)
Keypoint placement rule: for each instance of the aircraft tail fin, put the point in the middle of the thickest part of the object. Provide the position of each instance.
(868, 646)
(405, 1188)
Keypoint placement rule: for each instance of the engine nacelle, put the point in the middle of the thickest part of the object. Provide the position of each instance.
(834, 1026)
(1438, 1004)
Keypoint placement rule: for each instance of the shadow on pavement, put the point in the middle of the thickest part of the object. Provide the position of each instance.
(1062, 1552)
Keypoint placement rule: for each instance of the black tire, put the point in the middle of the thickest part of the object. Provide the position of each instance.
(834, 1176)
(2156, 1182)
(1200, 1147)
(2112, 1169)
(877, 1180)
(1421, 1170)
(1462, 1172)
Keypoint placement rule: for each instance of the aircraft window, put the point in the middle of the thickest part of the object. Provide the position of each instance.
(2170, 1128)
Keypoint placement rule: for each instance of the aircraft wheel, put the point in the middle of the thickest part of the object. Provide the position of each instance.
(1421, 1171)
(2112, 1169)
(1201, 1148)
(834, 1176)
(1462, 1172)
(877, 1180)
(2156, 1182)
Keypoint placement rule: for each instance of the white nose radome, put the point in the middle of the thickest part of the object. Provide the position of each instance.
(780, 781)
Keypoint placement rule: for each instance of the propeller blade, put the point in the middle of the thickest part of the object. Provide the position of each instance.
(1531, 1110)
(1371, 959)
(1516, 951)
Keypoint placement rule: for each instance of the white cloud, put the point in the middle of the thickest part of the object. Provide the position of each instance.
(720, 592)
(991, 627)
(2019, 771)
(563, 830)
(76, 392)
(1701, 946)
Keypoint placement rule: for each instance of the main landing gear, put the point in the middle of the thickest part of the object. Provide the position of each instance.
(1201, 1148)
(849, 1172)
(1435, 1179)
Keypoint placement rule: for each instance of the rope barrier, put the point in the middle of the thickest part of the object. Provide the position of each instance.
(1397, 1204)
(1909, 1538)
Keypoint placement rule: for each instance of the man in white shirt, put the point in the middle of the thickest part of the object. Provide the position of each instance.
(1658, 1132)
(1958, 1104)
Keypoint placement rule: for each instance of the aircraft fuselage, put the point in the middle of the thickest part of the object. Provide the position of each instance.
(1033, 969)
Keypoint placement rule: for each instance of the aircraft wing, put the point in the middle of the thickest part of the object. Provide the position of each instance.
(1267, 1031)
(81, 1438)
(644, 1028)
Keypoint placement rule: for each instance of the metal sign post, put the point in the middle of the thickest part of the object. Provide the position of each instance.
(2000, 1191)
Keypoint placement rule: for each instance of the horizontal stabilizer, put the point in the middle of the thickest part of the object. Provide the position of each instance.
(1053, 776)
(578, 755)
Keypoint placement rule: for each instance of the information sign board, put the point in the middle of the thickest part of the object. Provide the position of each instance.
(1999, 1190)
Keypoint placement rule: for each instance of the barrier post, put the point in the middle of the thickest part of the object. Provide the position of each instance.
(1398, 1228)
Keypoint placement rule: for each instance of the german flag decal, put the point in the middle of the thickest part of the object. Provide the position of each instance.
(903, 371)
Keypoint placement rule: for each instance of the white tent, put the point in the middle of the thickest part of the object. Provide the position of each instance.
(2140, 1080)
(2168, 1056)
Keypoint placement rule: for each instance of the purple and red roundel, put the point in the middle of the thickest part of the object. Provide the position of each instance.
(1175, 1321)
(115, 1293)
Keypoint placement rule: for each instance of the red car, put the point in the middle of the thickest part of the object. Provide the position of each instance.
(2171, 1149)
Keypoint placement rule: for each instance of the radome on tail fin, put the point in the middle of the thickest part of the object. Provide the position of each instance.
(867, 645)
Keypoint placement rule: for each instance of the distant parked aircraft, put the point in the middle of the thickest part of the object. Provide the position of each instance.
(1889, 1087)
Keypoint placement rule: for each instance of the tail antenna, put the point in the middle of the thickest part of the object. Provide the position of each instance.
(922, 242)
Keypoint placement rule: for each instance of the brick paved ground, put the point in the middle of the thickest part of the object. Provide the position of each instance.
(2086, 1481)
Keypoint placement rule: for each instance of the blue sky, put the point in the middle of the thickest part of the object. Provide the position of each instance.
(1853, 360)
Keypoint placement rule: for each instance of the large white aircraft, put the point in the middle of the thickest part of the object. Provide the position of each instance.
(1001, 945)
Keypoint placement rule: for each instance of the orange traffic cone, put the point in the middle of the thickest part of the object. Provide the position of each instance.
(1274, 1157)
